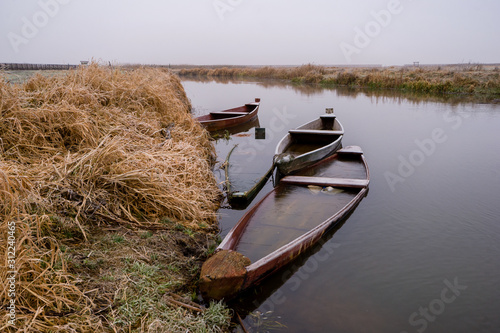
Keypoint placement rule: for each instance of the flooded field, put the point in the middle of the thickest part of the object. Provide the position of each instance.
(419, 253)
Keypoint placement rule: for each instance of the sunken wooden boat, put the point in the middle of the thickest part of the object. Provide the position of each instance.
(215, 121)
(287, 221)
(242, 199)
(309, 143)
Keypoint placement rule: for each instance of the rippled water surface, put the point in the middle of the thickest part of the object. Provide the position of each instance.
(421, 251)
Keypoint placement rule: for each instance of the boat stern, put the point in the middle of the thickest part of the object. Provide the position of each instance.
(223, 274)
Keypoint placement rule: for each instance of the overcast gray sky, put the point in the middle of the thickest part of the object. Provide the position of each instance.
(250, 32)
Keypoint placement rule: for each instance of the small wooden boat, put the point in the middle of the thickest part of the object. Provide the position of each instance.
(215, 121)
(288, 220)
(308, 144)
(241, 199)
(237, 129)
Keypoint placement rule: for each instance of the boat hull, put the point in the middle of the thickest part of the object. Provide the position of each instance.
(258, 218)
(308, 144)
(287, 166)
(216, 121)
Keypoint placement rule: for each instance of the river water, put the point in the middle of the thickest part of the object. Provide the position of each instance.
(420, 253)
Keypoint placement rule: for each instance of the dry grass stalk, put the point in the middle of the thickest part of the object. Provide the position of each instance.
(473, 80)
(93, 146)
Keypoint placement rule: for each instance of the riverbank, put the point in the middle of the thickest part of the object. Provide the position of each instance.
(109, 200)
(481, 81)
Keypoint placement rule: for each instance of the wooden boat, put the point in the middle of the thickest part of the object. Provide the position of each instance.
(308, 144)
(287, 221)
(237, 129)
(241, 199)
(215, 121)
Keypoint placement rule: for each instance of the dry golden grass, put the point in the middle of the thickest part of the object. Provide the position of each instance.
(305, 72)
(126, 139)
(475, 80)
(93, 147)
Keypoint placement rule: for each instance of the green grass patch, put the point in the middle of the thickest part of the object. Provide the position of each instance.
(117, 238)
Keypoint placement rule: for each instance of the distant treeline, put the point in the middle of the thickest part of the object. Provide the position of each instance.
(17, 67)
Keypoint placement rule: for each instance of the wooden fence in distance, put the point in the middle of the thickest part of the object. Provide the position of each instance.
(20, 67)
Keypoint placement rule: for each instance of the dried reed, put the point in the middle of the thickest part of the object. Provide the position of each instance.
(475, 80)
(95, 146)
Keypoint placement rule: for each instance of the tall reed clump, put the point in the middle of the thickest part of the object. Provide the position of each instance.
(95, 146)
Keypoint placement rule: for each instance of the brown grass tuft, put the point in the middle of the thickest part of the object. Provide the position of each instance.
(92, 147)
(477, 80)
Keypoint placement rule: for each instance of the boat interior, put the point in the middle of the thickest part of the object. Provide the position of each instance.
(236, 112)
(295, 208)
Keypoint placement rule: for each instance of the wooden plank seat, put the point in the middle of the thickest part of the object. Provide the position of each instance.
(315, 132)
(223, 113)
(326, 181)
(352, 150)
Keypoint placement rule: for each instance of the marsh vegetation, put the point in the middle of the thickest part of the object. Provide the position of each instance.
(477, 80)
(109, 181)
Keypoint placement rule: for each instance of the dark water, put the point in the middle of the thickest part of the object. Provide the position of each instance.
(420, 253)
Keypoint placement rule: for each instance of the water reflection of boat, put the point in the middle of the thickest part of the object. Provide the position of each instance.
(219, 120)
(308, 144)
(242, 128)
(286, 222)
